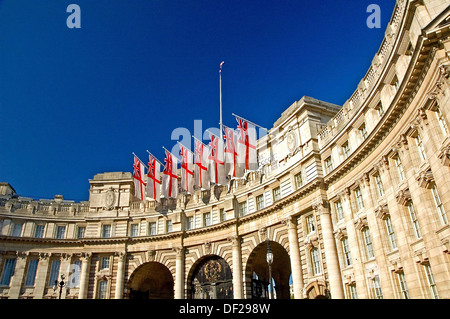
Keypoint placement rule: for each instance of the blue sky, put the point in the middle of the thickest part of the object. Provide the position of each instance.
(77, 102)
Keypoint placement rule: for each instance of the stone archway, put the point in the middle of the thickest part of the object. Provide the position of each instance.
(210, 278)
(317, 290)
(151, 280)
(257, 272)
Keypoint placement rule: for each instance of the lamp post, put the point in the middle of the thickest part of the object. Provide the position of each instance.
(269, 258)
(59, 284)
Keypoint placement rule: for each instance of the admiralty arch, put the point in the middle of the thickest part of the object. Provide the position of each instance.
(352, 201)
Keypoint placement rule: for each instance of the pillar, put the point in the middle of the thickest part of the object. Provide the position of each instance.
(120, 276)
(237, 267)
(84, 280)
(294, 254)
(179, 268)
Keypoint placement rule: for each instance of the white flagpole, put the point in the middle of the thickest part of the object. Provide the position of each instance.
(249, 121)
(140, 160)
(220, 83)
(155, 158)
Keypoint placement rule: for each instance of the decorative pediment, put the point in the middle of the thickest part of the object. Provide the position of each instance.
(403, 196)
(361, 223)
(340, 234)
(444, 154)
(425, 178)
(311, 242)
(382, 211)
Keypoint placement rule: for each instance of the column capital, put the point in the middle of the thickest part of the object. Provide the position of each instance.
(321, 206)
(235, 240)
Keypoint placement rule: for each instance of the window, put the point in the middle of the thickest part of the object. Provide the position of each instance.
(390, 232)
(74, 276)
(168, 226)
(223, 215)
(346, 251)
(17, 230)
(276, 194)
(102, 289)
(80, 232)
(439, 206)
(54, 272)
(152, 228)
(380, 109)
(339, 210)
(243, 208)
(352, 291)
(377, 287)
(420, 148)
(298, 180)
(363, 131)
(395, 83)
(328, 164)
(315, 261)
(431, 282)
(134, 230)
(190, 222)
(310, 224)
(346, 150)
(441, 120)
(106, 231)
(260, 202)
(60, 232)
(207, 219)
(402, 284)
(400, 171)
(379, 183)
(359, 199)
(8, 270)
(31, 273)
(104, 264)
(368, 243)
(39, 231)
(414, 221)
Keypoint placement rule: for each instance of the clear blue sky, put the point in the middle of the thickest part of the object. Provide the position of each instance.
(77, 102)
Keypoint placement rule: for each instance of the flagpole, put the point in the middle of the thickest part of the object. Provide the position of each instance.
(154, 157)
(249, 121)
(139, 160)
(220, 84)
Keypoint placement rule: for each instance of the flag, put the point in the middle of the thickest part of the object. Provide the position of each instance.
(187, 170)
(170, 178)
(138, 174)
(232, 167)
(217, 160)
(201, 173)
(246, 144)
(154, 178)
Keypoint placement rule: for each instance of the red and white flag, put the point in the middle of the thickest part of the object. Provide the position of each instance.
(138, 176)
(217, 160)
(187, 170)
(201, 173)
(232, 167)
(246, 144)
(170, 178)
(154, 178)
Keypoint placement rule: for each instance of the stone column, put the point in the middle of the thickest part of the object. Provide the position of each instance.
(179, 268)
(332, 261)
(120, 275)
(237, 267)
(17, 279)
(294, 254)
(84, 280)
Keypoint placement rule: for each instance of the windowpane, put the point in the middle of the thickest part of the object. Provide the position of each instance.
(31, 273)
(54, 272)
(8, 270)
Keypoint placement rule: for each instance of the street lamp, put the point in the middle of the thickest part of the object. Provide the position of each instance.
(269, 258)
(59, 284)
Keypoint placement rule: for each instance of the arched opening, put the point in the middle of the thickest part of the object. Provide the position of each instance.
(210, 278)
(257, 272)
(317, 290)
(151, 280)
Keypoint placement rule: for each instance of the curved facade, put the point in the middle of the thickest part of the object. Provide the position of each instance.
(353, 202)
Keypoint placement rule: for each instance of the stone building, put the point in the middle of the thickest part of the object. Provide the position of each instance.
(353, 201)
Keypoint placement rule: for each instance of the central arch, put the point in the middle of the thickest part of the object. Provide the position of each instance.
(257, 272)
(210, 278)
(151, 280)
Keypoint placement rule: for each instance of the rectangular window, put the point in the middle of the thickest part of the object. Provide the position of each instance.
(315, 260)
(54, 272)
(359, 199)
(31, 272)
(420, 147)
(260, 202)
(152, 228)
(346, 150)
(104, 263)
(390, 232)
(223, 215)
(310, 224)
(439, 206)
(377, 287)
(395, 83)
(328, 164)
(368, 243)
(8, 270)
(134, 230)
(207, 219)
(380, 109)
(60, 232)
(400, 171)
(414, 221)
(363, 131)
(169, 226)
(441, 120)
(74, 276)
(339, 210)
(80, 232)
(352, 291)
(346, 250)
(276, 194)
(190, 223)
(431, 282)
(106, 231)
(102, 289)
(298, 180)
(243, 208)
(402, 284)
(39, 231)
(379, 184)
(17, 230)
